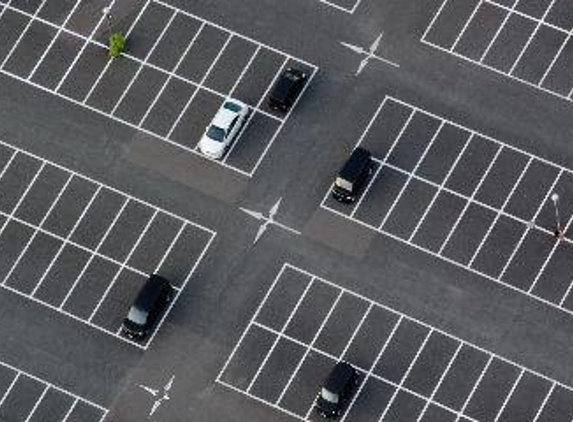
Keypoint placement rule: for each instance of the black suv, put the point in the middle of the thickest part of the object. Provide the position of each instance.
(150, 302)
(287, 89)
(337, 390)
(352, 175)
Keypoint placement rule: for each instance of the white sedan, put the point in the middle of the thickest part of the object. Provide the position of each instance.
(224, 128)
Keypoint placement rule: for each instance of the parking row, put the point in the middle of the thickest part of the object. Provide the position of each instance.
(408, 370)
(469, 199)
(177, 72)
(25, 397)
(526, 41)
(83, 248)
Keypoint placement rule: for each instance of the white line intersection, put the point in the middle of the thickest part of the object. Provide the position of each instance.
(184, 232)
(99, 412)
(475, 262)
(248, 166)
(555, 78)
(231, 374)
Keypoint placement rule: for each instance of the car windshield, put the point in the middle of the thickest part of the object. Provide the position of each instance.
(329, 396)
(137, 315)
(344, 184)
(216, 133)
(233, 107)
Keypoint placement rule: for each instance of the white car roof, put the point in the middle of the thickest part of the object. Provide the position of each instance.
(224, 116)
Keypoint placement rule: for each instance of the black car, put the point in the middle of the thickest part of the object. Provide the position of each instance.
(352, 175)
(150, 302)
(337, 390)
(287, 89)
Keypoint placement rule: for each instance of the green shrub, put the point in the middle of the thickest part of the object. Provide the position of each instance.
(117, 44)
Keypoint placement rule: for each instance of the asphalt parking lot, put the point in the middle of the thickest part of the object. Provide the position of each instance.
(444, 284)
(409, 370)
(466, 198)
(179, 71)
(85, 249)
(26, 397)
(526, 41)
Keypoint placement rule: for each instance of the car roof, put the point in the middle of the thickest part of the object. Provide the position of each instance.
(224, 116)
(150, 292)
(354, 166)
(340, 375)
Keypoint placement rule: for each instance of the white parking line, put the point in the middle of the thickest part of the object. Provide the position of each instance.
(143, 63)
(494, 39)
(70, 410)
(47, 386)
(535, 31)
(10, 216)
(201, 83)
(67, 239)
(84, 46)
(501, 210)
(548, 258)
(336, 6)
(440, 381)
(92, 253)
(122, 266)
(34, 235)
(110, 59)
(529, 226)
(369, 372)
(170, 77)
(356, 330)
(10, 387)
(22, 34)
(441, 187)
(76, 282)
(382, 162)
(544, 402)
(474, 388)
(414, 170)
(277, 338)
(509, 11)
(468, 200)
(308, 349)
(466, 25)
(509, 395)
(400, 386)
(170, 74)
(53, 41)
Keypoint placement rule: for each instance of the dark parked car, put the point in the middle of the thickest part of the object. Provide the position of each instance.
(337, 390)
(287, 89)
(353, 175)
(150, 302)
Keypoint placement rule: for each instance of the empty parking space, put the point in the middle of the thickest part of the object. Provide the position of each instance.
(409, 371)
(526, 41)
(177, 72)
(83, 248)
(487, 207)
(25, 397)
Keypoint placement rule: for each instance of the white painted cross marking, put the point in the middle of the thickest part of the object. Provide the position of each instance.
(268, 220)
(160, 396)
(369, 54)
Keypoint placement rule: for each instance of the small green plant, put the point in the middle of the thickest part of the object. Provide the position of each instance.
(117, 44)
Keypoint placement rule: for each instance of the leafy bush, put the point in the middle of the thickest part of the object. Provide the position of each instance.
(117, 43)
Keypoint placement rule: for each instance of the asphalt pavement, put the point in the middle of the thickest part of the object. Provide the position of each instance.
(444, 284)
